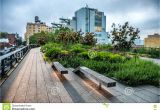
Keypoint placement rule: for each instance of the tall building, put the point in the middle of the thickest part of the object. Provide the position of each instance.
(36, 27)
(90, 20)
(152, 41)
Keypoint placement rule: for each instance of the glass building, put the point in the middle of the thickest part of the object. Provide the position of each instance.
(91, 20)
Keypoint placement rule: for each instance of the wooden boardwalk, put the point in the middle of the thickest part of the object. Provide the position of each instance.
(34, 81)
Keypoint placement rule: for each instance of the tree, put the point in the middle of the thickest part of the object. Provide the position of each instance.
(89, 39)
(39, 38)
(123, 36)
(67, 36)
(3, 34)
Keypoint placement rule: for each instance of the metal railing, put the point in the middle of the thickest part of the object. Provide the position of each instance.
(8, 61)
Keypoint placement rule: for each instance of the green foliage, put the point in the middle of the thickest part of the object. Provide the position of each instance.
(3, 34)
(84, 55)
(77, 48)
(53, 52)
(71, 61)
(39, 38)
(138, 73)
(123, 36)
(89, 39)
(108, 56)
(103, 47)
(151, 52)
(125, 69)
(48, 46)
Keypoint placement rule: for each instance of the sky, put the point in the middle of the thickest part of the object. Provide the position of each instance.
(142, 14)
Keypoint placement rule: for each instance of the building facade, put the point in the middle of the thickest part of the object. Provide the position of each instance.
(36, 27)
(9, 40)
(90, 20)
(152, 41)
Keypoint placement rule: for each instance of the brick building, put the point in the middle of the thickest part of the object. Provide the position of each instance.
(152, 41)
(36, 27)
(12, 38)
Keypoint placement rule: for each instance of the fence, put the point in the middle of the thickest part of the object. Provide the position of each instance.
(8, 61)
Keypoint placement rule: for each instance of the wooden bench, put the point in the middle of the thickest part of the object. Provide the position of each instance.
(61, 69)
(93, 75)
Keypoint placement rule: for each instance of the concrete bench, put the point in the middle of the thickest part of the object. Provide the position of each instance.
(93, 75)
(61, 69)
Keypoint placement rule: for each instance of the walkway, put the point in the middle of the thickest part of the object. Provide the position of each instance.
(151, 59)
(34, 81)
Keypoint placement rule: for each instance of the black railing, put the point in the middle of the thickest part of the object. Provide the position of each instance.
(8, 61)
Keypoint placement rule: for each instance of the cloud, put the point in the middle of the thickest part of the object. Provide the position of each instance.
(143, 14)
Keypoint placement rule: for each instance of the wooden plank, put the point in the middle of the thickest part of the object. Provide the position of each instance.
(152, 89)
(96, 76)
(9, 81)
(76, 91)
(64, 95)
(42, 95)
(32, 85)
(22, 89)
(50, 84)
(90, 88)
(9, 96)
(148, 96)
(61, 69)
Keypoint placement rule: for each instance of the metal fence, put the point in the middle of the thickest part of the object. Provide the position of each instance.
(8, 61)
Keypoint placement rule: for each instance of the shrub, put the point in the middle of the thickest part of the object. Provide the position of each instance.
(117, 58)
(84, 55)
(138, 73)
(71, 61)
(53, 52)
(107, 56)
(77, 48)
(64, 53)
(154, 53)
(103, 47)
(100, 66)
(148, 52)
(49, 46)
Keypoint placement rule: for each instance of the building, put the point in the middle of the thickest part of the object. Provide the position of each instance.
(152, 41)
(12, 38)
(87, 20)
(139, 42)
(4, 43)
(90, 20)
(36, 27)
(9, 40)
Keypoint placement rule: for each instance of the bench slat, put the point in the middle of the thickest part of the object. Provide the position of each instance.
(61, 69)
(98, 77)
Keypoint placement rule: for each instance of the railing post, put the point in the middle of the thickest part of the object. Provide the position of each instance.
(16, 57)
(11, 61)
(100, 85)
(3, 67)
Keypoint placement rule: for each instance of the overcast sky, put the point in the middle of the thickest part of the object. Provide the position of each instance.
(143, 14)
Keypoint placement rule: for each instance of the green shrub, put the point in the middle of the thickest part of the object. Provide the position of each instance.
(77, 48)
(138, 73)
(71, 61)
(103, 47)
(53, 52)
(49, 46)
(148, 52)
(154, 53)
(84, 55)
(107, 56)
(100, 66)
(117, 58)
